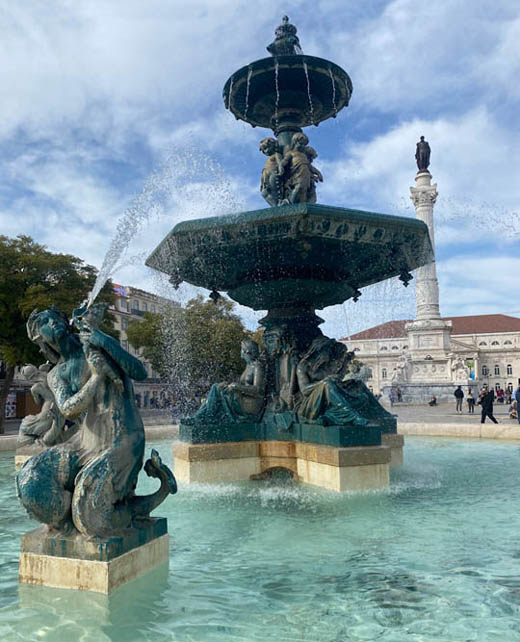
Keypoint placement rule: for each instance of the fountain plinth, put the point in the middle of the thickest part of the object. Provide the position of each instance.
(97, 534)
(301, 403)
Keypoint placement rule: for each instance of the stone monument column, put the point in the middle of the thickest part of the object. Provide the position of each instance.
(427, 288)
(428, 335)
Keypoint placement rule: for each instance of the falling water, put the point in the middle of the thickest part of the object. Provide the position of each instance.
(230, 91)
(311, 106)
(277, 88)
(333, 93)
(249, 73)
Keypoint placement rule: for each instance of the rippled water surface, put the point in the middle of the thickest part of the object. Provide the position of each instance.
(435, 558)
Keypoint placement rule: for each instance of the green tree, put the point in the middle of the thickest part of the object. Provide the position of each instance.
(192, 346)
(32, 277)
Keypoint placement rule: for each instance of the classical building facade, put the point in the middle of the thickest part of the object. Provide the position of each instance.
(487, 344)
(429, 355)
(131, 305)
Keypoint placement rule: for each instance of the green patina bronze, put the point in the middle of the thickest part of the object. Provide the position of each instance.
(294, 255)
(291, 259)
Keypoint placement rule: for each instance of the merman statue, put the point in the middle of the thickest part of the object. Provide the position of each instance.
(87, 484)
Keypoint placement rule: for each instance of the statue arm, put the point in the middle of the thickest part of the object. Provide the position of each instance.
(128, 364)
(70, 404)
(304, 382)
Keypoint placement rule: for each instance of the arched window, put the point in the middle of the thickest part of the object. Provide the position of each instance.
(509, 369)
(497, 369)
(482, 343)
(395, 347)
(383, 373)
(485, 371)
(405, 347)
(510, 387)
(495, 343)
(508, 343)
(383, 348)
(497, 386)
(357, 349)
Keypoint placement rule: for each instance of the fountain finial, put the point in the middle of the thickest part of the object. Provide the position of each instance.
(286, 41)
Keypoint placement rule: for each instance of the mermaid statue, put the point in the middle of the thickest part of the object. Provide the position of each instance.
(87, 484)
(237, 402)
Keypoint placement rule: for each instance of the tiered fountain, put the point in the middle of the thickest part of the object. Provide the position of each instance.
(301, 403)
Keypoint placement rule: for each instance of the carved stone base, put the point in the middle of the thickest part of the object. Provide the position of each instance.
(335, 468)
(100, 564)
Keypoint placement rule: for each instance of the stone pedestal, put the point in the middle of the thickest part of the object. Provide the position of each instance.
(98, 564)
(335, 468)
(395, 443)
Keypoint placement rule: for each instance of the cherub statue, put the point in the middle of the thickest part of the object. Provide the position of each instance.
(302, 176)
(47, 427)
(237, 402)
(316, 175)
(271, 183)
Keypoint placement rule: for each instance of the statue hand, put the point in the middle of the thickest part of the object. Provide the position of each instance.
(100, 368)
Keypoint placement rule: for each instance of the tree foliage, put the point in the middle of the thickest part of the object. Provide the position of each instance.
(192, 346)
(32, 277)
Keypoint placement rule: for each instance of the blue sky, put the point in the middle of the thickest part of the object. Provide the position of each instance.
(97, 94)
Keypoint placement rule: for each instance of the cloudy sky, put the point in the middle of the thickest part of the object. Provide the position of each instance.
(112, 112)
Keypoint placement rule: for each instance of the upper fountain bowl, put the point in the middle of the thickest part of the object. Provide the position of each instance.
(287, 91)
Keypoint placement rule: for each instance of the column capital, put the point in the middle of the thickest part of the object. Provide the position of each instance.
(426, 195)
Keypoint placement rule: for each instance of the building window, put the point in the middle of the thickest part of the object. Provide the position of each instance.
(485, 371)
(144, 306)
(395, 347)
(124, 323)
(384, 348)
(510, 387)
(135, 304)
(495, 343)
(482, 343)
(509, 369)
(497, 386)
(497, 369)
(357, 349)
(405, 347)
(383, 373)
(508, 343)
(153, 307)
(124, 343)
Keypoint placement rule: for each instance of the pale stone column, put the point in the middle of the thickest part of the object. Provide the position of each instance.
(427, 286)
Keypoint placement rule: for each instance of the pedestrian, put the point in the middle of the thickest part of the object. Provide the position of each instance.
(471, 402)
(500, 395)
(486, 402)
(391, 396)
(517, 399)
(399, 394)
(459, 396)
(433, 401)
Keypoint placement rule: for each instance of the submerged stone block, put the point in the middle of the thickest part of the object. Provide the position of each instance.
(92, 564)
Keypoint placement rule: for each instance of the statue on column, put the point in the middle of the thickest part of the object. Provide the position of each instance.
(422, 155)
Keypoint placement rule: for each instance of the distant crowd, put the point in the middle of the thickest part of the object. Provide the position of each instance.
(486, 399)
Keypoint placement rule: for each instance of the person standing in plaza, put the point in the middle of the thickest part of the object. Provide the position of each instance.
(517, 398)
(486, 402)
(471, 402)
(459, 396)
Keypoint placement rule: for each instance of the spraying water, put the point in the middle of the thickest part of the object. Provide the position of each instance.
(187, 184)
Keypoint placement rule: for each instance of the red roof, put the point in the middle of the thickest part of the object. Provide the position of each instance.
(477, 324)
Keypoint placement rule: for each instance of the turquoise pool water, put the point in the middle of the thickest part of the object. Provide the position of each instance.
(435, 558)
